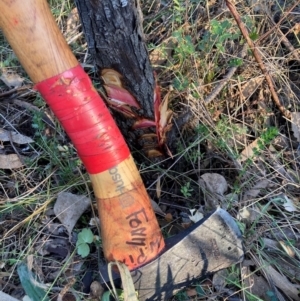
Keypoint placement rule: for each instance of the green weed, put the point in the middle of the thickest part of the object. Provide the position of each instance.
(186, 190)
(85, 237)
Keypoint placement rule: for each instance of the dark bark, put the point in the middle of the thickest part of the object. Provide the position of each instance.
(113, 31)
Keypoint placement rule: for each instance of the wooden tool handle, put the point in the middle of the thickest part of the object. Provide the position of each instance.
(129, 229)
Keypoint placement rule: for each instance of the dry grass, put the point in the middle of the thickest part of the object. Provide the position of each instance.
(199, 56)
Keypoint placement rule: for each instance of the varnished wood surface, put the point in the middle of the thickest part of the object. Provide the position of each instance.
(129, 228)
(35, 38)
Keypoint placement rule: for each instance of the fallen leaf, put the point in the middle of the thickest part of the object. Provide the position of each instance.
(288, 249)
(158, 188)
(219, 280)
(248, 214)
(216, 185)
(256, 189)
(64, 294)
(296, 28)
(238, 137)
(255, 285)
(243, 214)
(69, 207)
(163, 53)
(11, 161)
(286, 202)
(158, 56)
(215, 182)
(195, 216)
(156, 208)
(67, 297)
(57, 246)
(295, 119)
(30, 261)
(270, 243)
(15, 137)
(11, 79)
(54, 228)
(284, 233)
(248, 152)
(251, 86)
(168, 217)
(32, 287)
(291, 290)
(127, 282)
(232, 198)
(41, 248)
(289, 205)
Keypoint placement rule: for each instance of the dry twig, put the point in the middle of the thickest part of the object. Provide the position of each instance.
(15, 90)
(258, 58)
(276, 26)
(282, 37)
(225, 80)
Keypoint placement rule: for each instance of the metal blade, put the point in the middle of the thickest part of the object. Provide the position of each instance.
(212, 244)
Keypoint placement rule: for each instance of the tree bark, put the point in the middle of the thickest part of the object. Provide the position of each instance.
(114, 35)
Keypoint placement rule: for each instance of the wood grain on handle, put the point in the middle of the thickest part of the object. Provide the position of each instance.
(35, 38)
(129, 229)
(132, 233)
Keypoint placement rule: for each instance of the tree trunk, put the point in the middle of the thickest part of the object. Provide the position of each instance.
(114, 35)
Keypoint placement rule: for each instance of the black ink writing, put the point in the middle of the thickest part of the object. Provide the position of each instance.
(138, 241)
(136, 221)
(136, 218)
(141, 258)
(155, 245)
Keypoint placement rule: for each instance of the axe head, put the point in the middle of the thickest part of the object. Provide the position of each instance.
(212, 244)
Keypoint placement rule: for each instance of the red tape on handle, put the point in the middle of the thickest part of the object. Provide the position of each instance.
(85, 118)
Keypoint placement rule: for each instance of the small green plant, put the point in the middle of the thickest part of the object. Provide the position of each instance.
(39, 101)
(185, 46)
(180, 82)
(186, 190)
(85, 237)
(220, 32)
(178, 10)
(236, 62)
(225, 131)
(190, 153)
(37, 122)
(265, 139)
(268, 136)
